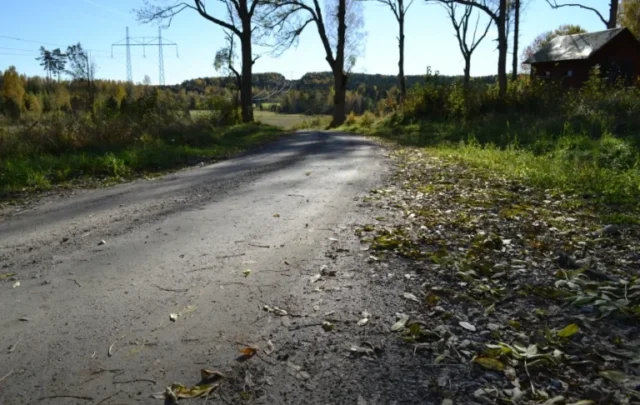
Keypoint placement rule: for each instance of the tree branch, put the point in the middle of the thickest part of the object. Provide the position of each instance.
(554, 4)
(482, 6)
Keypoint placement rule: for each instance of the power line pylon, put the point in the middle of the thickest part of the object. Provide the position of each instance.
(159, 41)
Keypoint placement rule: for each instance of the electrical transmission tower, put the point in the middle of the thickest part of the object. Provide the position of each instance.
(144, 42)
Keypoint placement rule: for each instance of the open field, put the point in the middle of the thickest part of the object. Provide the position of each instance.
(285, 121)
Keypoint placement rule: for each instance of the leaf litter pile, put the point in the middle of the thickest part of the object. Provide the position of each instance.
(526, 290)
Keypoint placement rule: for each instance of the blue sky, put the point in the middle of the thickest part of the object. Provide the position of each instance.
(99, 23)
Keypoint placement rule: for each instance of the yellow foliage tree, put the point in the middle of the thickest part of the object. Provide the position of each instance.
(13, 92)
(629, 16)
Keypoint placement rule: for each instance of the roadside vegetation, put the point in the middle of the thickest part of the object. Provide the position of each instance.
(92, 132)
(581, 142)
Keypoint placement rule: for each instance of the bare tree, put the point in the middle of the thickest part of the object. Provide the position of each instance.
(288, 18)
(238, 21)
(498, 14)
(399, 9)
(461, 25)
(610, 22)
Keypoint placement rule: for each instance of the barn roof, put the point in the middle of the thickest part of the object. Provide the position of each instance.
(572, 47)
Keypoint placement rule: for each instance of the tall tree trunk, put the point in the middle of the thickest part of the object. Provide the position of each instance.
(339, 98)
(466, 83)
(516, 34)
(467, 72)
(613, 14)
(502, 49)
(403, 85)
(340, 78)
(246, 101)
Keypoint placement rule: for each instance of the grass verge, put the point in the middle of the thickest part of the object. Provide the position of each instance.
(605, 170)
(146, 157)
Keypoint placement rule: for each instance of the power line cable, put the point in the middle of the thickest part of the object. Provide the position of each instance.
(45, 43)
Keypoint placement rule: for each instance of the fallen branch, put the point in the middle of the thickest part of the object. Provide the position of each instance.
(7, 375)
(66, 396)
(228, 256)
(75, 281)
(295, 195)
(109, 397)
(260, 246)
(13, 346)
(135, 381)
(177, 290)
(201, 269)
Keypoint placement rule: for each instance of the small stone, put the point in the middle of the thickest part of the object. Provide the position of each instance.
(610, 230)
(493, 326)
(102, 242)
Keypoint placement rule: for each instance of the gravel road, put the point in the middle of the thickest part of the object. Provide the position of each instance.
(100, 272)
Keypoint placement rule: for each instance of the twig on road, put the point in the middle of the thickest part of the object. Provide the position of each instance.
(201, 269)
(260, 246)
(136, 380)
(295, 195)
(177, 290)
(228, 256)
(109, 397)
(75, 281)
(7, 375)
(13, 346)
(66, 396)
(109, 352)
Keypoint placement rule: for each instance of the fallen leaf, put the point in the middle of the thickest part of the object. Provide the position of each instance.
(490, 309)
(6, 275)
(489, 362)
(276, 215)
(307, 173)
(410, 296)
(328, 326)
(197, 391)
(246, 272)
(270, 348)
(249, 351)
(206, 374)
(555, 400)
(315, 278)
(400, 323)
(617, 377)
(187, 310)
(173, 317)
(569, 330)
(467, 326)
(16, 284)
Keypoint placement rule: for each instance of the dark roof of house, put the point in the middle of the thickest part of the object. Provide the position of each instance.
(573, 47)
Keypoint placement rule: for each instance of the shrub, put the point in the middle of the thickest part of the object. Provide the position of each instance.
(351, 119)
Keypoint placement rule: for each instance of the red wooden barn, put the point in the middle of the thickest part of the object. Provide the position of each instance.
(571, 58)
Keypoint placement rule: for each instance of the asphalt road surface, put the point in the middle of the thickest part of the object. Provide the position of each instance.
(100, 271)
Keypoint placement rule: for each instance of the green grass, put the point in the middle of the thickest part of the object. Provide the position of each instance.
(41, 172)
(291, 121)
(604, 169)
(284, 121)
